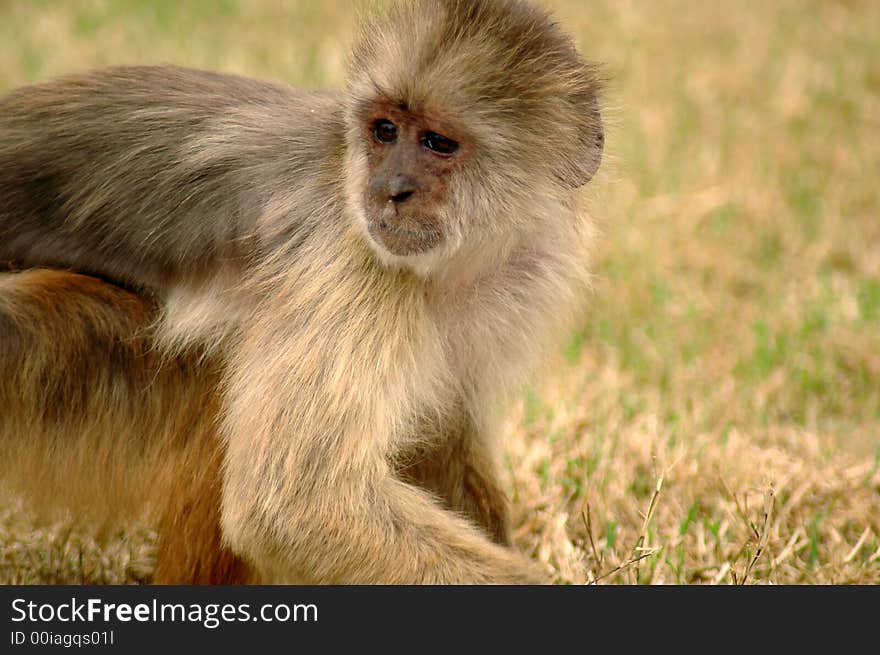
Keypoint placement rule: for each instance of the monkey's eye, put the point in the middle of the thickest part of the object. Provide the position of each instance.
(439, 143)
(385, 131)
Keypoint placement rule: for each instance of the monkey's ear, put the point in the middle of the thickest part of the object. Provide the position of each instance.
(591, 142)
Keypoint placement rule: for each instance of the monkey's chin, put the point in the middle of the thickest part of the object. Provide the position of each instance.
(400, 241)
(421, 261)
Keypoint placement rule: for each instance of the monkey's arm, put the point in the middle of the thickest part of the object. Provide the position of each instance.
(146, 175)
(317, 414)
(340, 516)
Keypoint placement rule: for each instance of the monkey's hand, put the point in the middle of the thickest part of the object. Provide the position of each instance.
(389, 533)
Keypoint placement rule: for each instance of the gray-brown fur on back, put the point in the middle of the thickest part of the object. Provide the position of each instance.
(147, 175)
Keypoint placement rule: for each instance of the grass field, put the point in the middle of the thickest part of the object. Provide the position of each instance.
(716, 419)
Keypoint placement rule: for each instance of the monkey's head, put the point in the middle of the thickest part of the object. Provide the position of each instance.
(470, 124)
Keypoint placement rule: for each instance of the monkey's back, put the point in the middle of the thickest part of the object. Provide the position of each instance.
(147, 175)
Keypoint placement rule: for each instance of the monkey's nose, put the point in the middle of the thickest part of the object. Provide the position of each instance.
(402, 188)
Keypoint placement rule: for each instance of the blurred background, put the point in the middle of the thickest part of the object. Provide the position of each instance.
(716, 417)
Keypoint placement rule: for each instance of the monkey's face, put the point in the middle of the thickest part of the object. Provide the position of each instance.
(470, 126)
(410, 160)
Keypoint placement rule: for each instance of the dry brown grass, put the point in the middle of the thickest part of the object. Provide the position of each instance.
(732, 350)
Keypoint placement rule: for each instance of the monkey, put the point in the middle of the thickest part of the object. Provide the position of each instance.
(307, 307)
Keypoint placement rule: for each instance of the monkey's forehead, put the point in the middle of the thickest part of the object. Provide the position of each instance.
(456, 54)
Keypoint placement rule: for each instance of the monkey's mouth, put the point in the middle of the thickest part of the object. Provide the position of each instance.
(411, 238)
